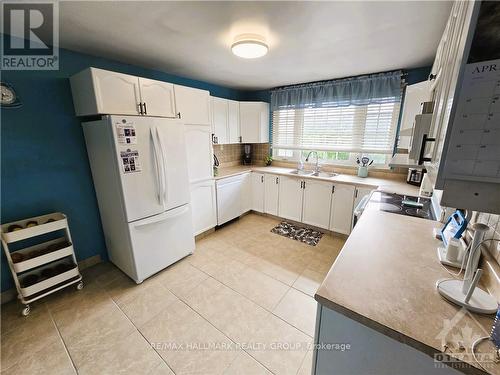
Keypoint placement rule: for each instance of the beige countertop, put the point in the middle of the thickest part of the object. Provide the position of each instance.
(391, 185)
(385, 278)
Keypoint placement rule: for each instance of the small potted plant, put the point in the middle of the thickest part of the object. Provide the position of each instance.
(268, 160)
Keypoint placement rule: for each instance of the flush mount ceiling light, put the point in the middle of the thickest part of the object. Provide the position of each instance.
(249, 46)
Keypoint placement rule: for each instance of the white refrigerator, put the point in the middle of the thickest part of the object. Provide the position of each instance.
(139, 168)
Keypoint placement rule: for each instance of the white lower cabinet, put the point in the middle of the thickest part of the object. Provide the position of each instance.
(258, 192)
(341, 208)
(290, 198)
(246, 193)
(317, 203)
(271, 194)
(203, 206)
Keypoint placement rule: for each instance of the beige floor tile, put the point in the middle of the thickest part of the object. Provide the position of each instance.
(51, 359)
(13, 320)
(88, 338)
(260, 288)
(246, 365)
(299, 310)
(181, 278)
(130, 355)
(32, 338)
(78, 307)
(146, 302)
(234, 315)
(188, 343)
(280, 347)
(309, 281)
(307, 363)
(162, 369)
(277, 270)
(101, 274)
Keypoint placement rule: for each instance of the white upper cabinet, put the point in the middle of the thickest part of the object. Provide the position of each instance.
(193, 105)
(254, 122)
(220, 120)
(317, 202)
(290, 198)
(342, 207)
(226, 121)
(97, 91)
(157, 98)
(233, 121)
(271, 194)
(199, 152)
(257, 192)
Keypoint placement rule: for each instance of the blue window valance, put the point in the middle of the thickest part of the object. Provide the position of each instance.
(363, 90)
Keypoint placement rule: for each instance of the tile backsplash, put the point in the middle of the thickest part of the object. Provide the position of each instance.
(230, 155)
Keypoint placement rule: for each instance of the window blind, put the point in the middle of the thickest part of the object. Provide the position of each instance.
(367, 128)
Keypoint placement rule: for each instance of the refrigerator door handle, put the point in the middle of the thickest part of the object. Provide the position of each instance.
(163, 216)
(164, 165)
(158, 167)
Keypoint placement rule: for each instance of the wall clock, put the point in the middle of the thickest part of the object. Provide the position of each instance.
(8, 98)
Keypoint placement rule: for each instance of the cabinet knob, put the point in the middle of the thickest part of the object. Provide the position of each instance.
(178, 114)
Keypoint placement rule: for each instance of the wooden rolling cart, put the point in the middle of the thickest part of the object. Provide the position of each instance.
(46, 267)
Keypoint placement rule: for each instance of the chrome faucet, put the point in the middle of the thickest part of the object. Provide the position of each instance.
(316, 169)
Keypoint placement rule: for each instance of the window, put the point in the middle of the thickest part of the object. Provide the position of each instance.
(339, 134)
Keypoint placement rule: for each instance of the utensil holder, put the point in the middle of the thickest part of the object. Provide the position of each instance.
(362, 171)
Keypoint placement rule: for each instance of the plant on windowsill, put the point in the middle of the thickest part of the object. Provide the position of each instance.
(268, 160)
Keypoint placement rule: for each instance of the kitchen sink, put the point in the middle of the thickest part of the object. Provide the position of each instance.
(314, 174)
(301, 173)
(324, 174)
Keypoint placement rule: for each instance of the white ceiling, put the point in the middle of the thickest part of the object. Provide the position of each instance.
(308, 41)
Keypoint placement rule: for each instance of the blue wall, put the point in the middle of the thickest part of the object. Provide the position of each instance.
(44, 165)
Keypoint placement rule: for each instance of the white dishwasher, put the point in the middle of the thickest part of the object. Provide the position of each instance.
(229, 194)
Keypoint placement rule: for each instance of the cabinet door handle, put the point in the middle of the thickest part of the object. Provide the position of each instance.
(240, 139)
(304, 185)
(140, 108)
(145, 110)
(356, 193)
(333, 189)
(301, 184)
(262, 178)
(421, 157)
(277, 180)
(178, 114)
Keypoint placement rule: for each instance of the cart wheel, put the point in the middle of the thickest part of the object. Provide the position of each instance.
(79, 286)
(26, 310)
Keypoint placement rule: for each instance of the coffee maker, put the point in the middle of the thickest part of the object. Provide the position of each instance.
(247, 154)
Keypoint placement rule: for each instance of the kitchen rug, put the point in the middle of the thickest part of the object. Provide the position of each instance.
(306, 235)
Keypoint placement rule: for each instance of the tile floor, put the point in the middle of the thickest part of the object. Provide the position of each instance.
(242, 304)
